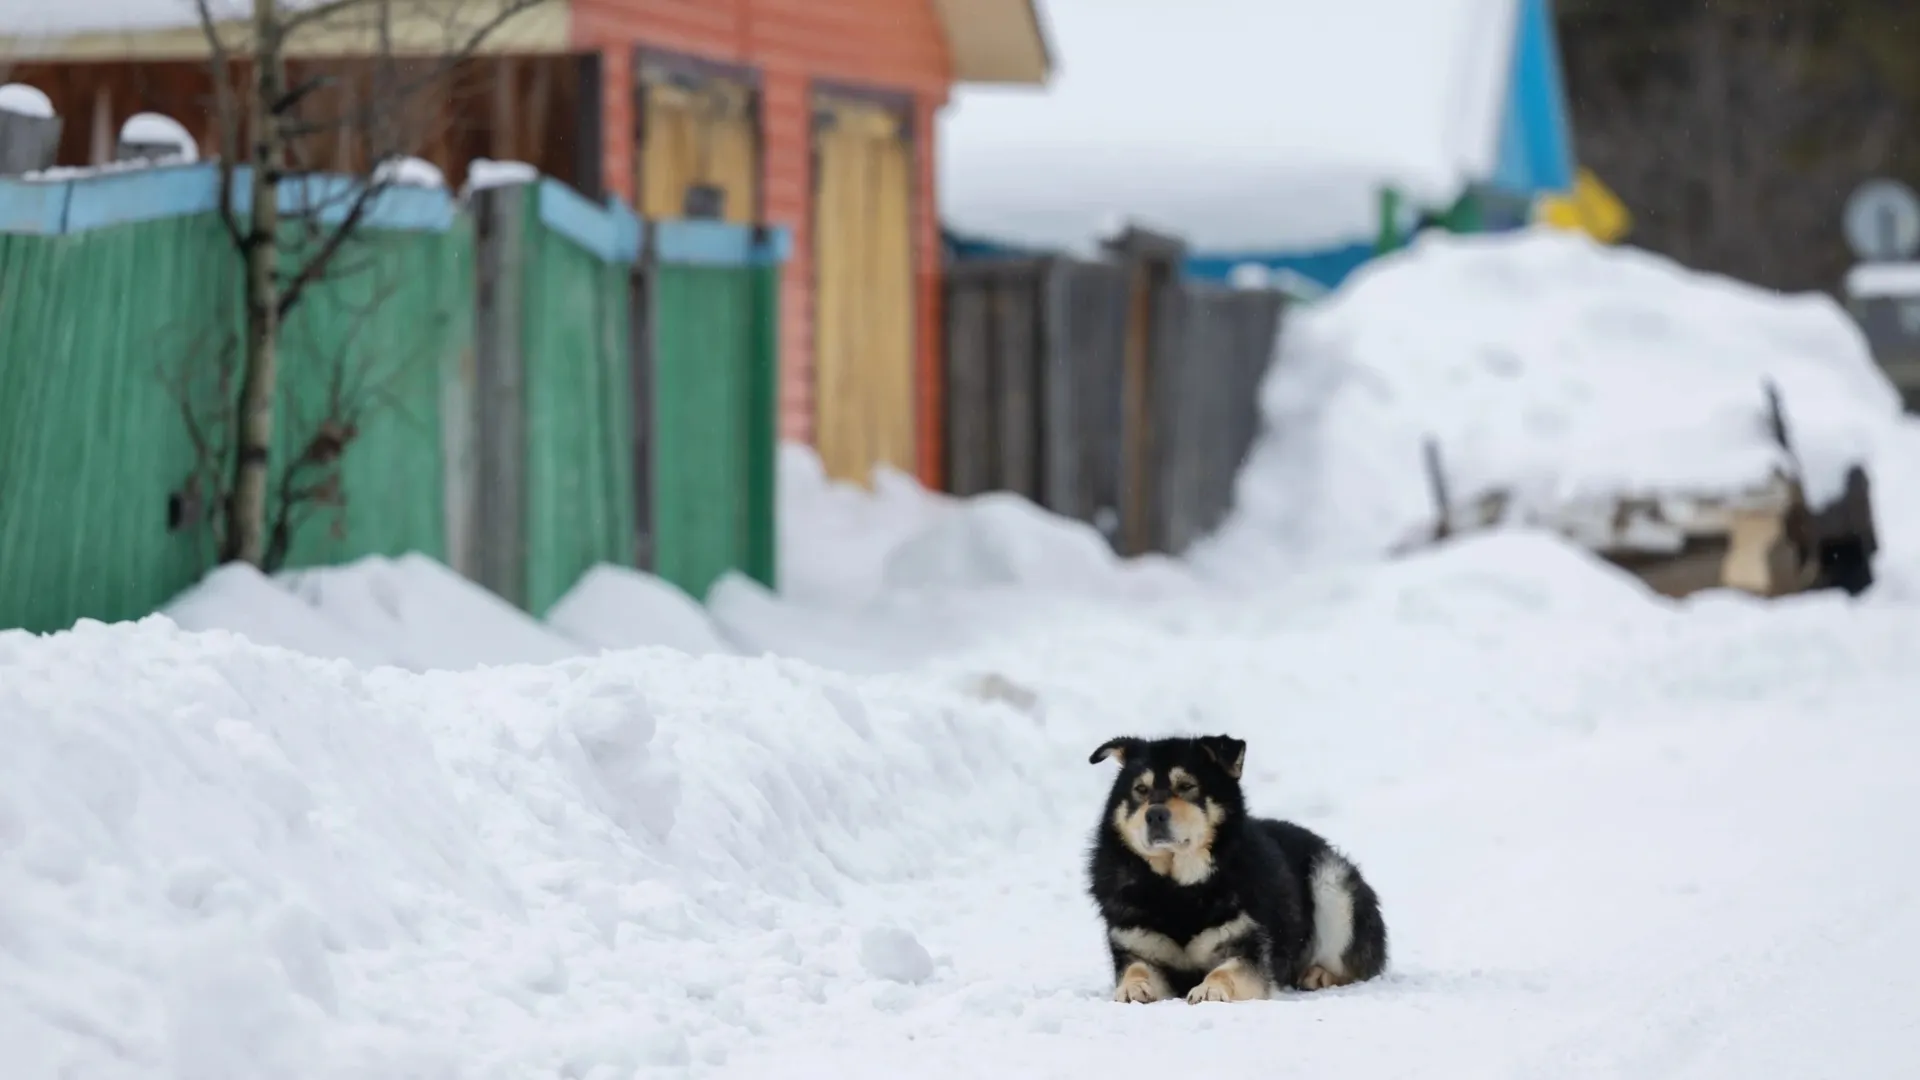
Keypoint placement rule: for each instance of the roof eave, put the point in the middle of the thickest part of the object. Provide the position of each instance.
(543, 28)
(996, 42)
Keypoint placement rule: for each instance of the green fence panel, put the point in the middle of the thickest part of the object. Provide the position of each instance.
(119, 356)
(579, 501)
(372, 345)
(96, 330)
(715, 361)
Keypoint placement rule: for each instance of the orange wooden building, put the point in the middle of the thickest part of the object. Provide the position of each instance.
(817, 115)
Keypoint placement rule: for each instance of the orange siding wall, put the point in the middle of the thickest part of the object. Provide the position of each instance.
(895, 45)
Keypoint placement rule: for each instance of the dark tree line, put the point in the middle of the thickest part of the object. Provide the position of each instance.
(1735, 129)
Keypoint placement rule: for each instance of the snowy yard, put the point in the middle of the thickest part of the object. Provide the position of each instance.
(1614, 835)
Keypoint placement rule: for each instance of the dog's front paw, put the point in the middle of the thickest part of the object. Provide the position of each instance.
(1209, 990)
(1140, 984)
(1231, 981)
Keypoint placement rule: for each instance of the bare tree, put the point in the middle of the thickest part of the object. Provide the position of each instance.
(363, 117)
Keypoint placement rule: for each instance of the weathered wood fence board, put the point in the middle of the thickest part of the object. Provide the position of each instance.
(492, 549)
(1110, 392)
(1087, 313)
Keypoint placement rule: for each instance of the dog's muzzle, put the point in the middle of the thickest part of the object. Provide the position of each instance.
(1159, 825)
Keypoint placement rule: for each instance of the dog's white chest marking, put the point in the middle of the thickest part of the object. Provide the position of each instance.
(1205, 952)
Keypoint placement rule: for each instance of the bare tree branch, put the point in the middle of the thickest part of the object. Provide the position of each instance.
(368, 113)
(228, 115)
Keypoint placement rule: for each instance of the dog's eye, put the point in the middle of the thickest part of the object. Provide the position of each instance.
(1140, 790)
(1185, 788)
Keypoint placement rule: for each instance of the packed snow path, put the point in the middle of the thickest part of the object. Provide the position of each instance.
(1613, 837)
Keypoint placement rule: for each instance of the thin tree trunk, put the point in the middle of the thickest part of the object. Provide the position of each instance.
(247, 502)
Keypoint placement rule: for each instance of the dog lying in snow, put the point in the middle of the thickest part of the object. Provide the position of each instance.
(1201, 899)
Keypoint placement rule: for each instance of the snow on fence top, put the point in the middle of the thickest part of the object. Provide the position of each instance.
(1233, 122)
(1554, 370)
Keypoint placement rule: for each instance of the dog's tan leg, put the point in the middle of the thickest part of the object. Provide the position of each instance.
(1319, 978)
(1142, 984)
(1235, 980)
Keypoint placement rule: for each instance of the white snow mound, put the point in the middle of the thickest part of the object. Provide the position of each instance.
(237, 598)
(1555, 369)
(222, 860)
(425, 616)
(1000, 539)
(616, 607)
(834, 536)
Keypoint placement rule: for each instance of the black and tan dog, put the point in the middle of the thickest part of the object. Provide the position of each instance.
(1202, 900)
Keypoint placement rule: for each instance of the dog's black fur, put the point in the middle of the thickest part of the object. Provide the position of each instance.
(1202, 900)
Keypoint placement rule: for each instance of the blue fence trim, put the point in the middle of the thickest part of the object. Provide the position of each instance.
(609, 230)
(125, 197)
(329, 197)
(719, 243)
(33, 209)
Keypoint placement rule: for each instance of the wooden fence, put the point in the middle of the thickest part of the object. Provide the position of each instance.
(1112, 392)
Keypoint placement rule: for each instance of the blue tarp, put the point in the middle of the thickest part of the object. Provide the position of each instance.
(1324, 268)
(1536, 141)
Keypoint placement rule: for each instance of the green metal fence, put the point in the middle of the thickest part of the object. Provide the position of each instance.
(379, 339)
(624, 396)
(94, 329)
(535, 387)
(119, 348)
(712, 317)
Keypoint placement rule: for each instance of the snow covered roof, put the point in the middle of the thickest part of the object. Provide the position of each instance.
(1235, 123)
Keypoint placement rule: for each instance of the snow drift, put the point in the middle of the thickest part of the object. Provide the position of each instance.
(617, 607)
(1551, 368)
(222, 860)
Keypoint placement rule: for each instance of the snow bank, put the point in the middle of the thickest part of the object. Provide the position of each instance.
(237, 598)
(835, 536)
(890, 578)
(615, 607)
(999, 539)
(1266, 123)
(1547, 366)
(222, 860)
(425, 616)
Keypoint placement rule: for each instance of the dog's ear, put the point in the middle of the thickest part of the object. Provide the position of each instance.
(1117, 749)
(1231, 753)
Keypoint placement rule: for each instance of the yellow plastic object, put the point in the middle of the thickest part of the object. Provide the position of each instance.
(1592, 208)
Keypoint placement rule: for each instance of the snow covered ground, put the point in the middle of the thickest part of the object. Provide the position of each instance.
(1615, 837)
(400, 830)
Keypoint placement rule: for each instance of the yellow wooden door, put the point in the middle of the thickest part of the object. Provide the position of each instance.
(696, 131)
(863, 290)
